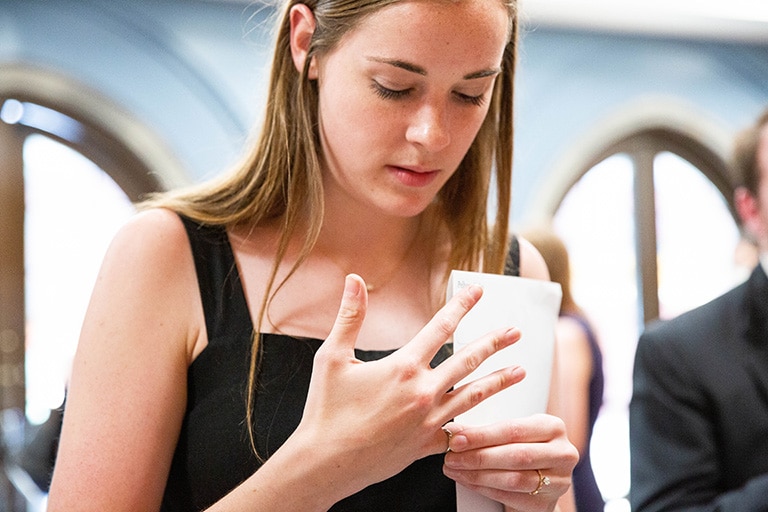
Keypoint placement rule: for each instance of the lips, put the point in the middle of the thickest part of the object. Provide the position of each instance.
(414, 176)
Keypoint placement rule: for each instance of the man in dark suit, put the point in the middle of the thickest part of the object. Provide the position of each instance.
(699, 410)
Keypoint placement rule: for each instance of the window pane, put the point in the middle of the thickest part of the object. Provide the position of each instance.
(72, 210)
(696, 237)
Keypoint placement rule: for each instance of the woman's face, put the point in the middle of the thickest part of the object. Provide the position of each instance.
(402, 97)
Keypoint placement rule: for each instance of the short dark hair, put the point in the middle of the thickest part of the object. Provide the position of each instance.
(745, 154)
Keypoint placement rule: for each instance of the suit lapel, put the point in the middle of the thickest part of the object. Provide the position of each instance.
(756, 307)
(755, 330)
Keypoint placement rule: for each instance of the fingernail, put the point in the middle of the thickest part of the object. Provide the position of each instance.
(518, 371)
(352, 286)
(458, 443)
(475, 290)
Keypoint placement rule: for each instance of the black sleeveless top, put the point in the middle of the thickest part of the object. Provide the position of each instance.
(213, 454)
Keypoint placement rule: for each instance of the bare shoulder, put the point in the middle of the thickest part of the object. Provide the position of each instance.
(571, 332)
(573, 348)
(149, 266)
(532, 264)
(157, 233)
(152, 252)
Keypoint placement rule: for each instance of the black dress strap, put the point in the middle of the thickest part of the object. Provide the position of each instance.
(220, 288)
(213, 453)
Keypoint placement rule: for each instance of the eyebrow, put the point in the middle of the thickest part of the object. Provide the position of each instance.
(413, 68)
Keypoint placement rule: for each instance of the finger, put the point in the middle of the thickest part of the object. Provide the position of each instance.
(521, 490)
(349, 320)
(469, 358)
(442, 326)
(466, 396)
(512, 467)
(523, 481)
(538, 428)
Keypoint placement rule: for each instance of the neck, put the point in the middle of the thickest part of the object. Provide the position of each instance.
(359, 235)
(376, 247)
(372, 251)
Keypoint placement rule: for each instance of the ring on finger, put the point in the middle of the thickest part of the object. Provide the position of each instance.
(448, 434)
(543, 482)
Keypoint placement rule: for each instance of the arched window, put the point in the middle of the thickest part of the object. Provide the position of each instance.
(652, 232)
(71, 166)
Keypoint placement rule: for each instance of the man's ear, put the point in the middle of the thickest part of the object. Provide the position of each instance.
(302, 27)
(747, 208)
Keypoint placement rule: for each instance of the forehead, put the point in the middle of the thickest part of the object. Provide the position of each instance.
(427, 28)
(438, 12)
(762, 155)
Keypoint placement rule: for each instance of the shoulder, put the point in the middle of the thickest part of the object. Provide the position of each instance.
(148, 276)
(532, 264)
(571, 329)
(153, 248)
(154, 236)
(572, 340)
(151, 243)
(149, 259)
(155, 228)
(694, 335)
(705, 320)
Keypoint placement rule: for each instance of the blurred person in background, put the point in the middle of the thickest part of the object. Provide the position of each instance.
(699, 410)
(579, 392)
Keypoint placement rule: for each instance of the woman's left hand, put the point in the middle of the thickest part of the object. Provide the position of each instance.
(525, 463)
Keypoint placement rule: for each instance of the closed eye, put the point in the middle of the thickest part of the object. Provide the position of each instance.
(387, 93)
(396, 94)
(472, 100)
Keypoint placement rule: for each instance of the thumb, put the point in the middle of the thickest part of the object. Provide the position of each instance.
(349, 320)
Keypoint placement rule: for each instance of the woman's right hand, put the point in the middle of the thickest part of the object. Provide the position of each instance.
(372, 419)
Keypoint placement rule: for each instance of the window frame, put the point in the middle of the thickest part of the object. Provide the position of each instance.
(642, 148)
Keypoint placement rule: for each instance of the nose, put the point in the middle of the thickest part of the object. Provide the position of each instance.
(429, 127)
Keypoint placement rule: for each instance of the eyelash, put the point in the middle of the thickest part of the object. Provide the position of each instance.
(391, 94)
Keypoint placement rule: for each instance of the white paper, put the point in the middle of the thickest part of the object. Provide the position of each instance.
(532, 306)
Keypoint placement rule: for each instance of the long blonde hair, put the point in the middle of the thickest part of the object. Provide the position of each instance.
(279, 178)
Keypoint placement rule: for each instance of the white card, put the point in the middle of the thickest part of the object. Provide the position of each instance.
(532, 306)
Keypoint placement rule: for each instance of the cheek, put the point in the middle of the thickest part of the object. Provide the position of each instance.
(465, 130)
(336, 121)
(352, 123)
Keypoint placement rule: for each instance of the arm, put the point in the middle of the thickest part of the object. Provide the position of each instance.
(127, 394)
(574, 369)
(570, 389)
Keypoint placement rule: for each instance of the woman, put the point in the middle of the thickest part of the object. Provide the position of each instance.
(384, 120)
(580, 370)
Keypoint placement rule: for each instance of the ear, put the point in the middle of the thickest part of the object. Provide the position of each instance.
(748, 210)
(302, 27)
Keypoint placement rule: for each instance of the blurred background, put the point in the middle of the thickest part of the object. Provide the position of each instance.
(625, 113)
